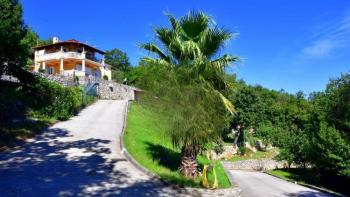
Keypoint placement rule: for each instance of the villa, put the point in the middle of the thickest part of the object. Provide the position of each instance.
(70, 58)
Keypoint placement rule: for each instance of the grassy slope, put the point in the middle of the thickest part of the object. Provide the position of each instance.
(257, 155)
(146, 140)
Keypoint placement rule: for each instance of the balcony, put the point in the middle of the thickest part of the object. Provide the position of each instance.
(65, 55)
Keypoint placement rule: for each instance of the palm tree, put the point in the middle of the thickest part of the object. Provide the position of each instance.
(193, 42)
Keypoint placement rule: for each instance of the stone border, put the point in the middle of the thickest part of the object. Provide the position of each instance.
(233, 192)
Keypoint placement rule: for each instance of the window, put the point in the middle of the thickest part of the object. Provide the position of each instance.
(51, 70)
(78, 67)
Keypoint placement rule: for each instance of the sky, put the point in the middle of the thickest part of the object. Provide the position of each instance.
(290, 45)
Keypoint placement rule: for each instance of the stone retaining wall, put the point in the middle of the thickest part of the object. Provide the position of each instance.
(254, 164)
(109, 90)
(114, 91)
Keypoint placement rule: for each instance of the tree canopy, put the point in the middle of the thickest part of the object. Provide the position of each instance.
(13, 52)
(117, 59)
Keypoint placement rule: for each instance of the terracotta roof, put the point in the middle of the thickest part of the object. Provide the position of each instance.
(71, 41)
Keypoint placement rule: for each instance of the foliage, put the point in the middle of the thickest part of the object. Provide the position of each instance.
(312, 132)
(310, 178)
(54, 100)
(31, 108)
(190, 82)
(146, 139)
(196, 116)
(13, 53)
(118, 60)
(119, 76)
(193, 42)
(257, 155)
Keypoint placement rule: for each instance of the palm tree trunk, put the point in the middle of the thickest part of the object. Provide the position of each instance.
(189, 164)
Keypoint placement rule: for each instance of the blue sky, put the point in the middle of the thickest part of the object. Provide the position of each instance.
(290, 45)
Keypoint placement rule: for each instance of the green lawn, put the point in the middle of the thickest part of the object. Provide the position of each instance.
(257, 155)
(147, 141)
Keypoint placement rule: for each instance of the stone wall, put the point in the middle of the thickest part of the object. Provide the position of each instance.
(114, 91)
(255, 164)
(109, 90)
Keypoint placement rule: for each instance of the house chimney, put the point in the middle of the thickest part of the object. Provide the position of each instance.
(54, 40)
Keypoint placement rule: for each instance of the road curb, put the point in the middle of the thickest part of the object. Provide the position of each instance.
(308, 186)
(139, 166)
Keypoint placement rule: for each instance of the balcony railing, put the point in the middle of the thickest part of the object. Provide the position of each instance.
(65, 55)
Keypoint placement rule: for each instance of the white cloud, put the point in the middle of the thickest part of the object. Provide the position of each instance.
(319, 48)
(329, 38)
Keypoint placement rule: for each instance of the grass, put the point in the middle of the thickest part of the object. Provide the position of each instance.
(309, 177)
(147, 141)
(257, 155)
(10, 134)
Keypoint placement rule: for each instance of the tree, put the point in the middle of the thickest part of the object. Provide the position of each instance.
(193, 41)
(117, 59)
(196, 117)
(13, 53)
(190, 48)
(328, 129)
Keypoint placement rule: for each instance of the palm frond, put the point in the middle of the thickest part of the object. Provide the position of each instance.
(155, 49)
(223, 61)
(227, 103)
(190, 50)
(165, 35)
(193, 24)
(214, 39)
(174, 23)
(153, 61)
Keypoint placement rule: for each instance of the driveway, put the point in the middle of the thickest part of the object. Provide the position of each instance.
(78, 157)
(256, 184)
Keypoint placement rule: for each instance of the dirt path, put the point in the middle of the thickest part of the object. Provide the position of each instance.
(78, 157)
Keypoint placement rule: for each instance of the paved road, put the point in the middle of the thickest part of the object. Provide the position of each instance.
(258, 184)
(78, 157)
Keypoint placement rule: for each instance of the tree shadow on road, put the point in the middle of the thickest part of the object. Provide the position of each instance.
(46, 166)
(308, 194)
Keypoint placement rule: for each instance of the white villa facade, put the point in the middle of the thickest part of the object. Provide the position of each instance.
(71, 58)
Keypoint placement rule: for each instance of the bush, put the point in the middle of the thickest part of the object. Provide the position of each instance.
(54, 100)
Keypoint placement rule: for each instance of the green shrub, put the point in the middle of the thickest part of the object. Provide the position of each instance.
(242, 150)
(54, 100)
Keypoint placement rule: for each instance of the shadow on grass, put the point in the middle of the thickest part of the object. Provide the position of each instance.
(169, 159)
(165, 157)
(13, 134)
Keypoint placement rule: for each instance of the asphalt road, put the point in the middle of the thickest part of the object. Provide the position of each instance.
(258, 184)
(77, 157)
